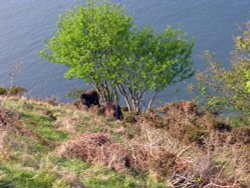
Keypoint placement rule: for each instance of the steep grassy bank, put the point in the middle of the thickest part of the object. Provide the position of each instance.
(47, 144)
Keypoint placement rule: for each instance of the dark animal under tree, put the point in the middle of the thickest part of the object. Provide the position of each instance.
(90, 98)
(113, 111)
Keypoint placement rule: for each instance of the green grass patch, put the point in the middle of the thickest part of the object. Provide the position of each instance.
(44, 127)
(75, 165)
(36, 118)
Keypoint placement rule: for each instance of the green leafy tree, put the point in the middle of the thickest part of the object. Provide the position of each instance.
(228, 89)
(224, 89)
(87, 42)
(100, 43)
(152, 62)
(243, 44)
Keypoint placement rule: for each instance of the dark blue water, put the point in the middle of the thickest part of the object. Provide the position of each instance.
(24, 24)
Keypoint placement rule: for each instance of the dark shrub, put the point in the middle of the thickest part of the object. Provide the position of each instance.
(3, 91)
(16, 90)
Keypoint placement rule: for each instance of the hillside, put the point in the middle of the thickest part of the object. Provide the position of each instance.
(50, 144)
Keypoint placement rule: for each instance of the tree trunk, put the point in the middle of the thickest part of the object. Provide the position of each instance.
(152, 99)
(125, 96)
(116, 96)
(136, 105)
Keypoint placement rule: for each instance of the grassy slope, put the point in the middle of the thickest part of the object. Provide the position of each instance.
(28, 157)
(28, 160)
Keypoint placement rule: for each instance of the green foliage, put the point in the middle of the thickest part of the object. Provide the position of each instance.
(100, 43)
(87, 41)
(223, 89)
(228, 89)
(152, 62)
(242, 43)
(156, 59)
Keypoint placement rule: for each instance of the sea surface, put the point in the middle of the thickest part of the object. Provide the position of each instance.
(25, 24)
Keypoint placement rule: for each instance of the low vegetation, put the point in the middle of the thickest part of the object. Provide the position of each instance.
(44, 144)
(14, 90)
